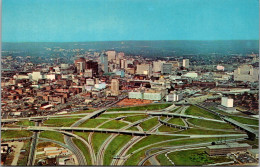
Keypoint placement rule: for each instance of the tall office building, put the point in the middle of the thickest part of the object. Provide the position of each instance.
(186, 63)
(93, 66)
(166, 68)
(104, 62)
(80, 64)
(121, 55)
(144, 69)
(157, 65)
(115, 87)
(111, 54)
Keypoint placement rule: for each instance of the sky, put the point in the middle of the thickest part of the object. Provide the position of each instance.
(118, 20)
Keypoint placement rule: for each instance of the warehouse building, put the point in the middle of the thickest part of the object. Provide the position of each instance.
(227, 148)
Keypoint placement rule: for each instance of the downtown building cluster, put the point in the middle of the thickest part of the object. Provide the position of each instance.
(99, 79)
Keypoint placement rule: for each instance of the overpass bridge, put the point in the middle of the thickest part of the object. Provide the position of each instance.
(182, 116)
(173, 125)
(65, 130)
(252, 134)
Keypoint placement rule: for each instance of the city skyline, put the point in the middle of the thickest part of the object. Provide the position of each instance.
(80, 21)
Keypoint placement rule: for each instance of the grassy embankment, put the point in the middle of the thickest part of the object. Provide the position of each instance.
(196, 111)
(84, 150)
(196, 157)
(53, 136)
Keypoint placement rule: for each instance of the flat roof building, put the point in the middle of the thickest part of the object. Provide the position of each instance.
(227, 148)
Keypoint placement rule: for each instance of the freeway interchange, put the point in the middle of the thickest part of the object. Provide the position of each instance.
(123, 153)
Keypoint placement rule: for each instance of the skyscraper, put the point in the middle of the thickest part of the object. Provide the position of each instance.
(115, 87)
(186, 63)
(80, 64)
(104, 62)
(111, 55)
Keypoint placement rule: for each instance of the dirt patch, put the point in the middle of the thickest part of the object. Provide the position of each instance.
(133, 102)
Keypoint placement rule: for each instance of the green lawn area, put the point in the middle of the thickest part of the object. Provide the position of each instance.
(165, 128)
(98, 139)
(210, 124)
(26, 123)
(148, 124)
(142, 108)
(58, 122)
(175, 109)
(117, 115)
(197, 157)
(52, 135)
(114, 124)
(92, 123)
(135, 118)
(150, 140)
(9, 134)
(84, 135)
(199, 131)
(196, 111)
(176, 121)
(245, 120)
(114, 147)
(135, 158)
(84, 150)
(133, 128)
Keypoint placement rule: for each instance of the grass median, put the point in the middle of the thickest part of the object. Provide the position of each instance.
(114, 124)
(83, 149)
(176, 121)
(196, 111)
(211, 124)
(10, 134)
(92, 123)
(244, 120)
(135, 118)
(25, 123)
(148, 124)
(53, 136)
(98, 139)
(114, 147)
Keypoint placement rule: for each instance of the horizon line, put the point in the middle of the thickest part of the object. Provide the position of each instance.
(129, 40)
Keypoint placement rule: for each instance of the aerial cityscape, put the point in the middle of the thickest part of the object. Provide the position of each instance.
(73, 93)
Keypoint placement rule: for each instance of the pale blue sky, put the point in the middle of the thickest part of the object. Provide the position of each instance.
(113, 20)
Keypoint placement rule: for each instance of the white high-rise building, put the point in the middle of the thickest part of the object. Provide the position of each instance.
(144, 69)
(227, 102)
(157, 65)
(186, 63)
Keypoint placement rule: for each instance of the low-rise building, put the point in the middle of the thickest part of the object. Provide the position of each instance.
(227, 148)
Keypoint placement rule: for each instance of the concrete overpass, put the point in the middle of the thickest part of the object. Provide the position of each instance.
(251, 132)
(173, 125)
(182, 116)
(116, 131)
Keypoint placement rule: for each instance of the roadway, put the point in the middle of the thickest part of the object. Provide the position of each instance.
(31, 157)
(167, 149)
(70, 142)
